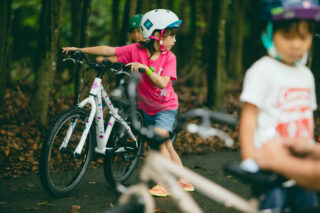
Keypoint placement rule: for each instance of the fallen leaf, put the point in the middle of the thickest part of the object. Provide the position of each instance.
(43, 203)
(75, 208)
(31, 208)
(31, 185)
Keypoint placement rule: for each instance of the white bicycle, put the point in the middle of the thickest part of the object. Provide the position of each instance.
(80, 131)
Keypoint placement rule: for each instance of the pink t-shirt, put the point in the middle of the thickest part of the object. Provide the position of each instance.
(152, 99)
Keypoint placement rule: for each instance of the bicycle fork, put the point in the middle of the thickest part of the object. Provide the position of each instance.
(90, 100)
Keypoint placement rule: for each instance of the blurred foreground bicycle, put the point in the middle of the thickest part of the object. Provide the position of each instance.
(136, 198)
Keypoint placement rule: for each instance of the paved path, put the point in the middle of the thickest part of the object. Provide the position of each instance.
(95, 195)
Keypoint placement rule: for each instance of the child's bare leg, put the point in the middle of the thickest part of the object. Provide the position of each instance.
(164, 151)
(173, 154)
(167, 149)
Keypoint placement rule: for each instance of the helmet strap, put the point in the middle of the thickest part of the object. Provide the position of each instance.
(267, 41)
(163, 51)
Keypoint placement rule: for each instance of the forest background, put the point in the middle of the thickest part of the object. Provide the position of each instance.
(217, 42)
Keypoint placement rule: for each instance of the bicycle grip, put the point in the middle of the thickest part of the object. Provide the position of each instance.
(107, 63)
(71, 52)
(141, 70)
(77, 54)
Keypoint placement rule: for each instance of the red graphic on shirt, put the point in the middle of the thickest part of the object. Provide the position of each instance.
(296, 118)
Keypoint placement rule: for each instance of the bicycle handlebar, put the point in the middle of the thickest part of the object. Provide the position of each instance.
(77, 56)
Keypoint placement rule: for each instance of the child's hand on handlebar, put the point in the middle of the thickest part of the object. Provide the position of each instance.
(67, 49)
(135, 66)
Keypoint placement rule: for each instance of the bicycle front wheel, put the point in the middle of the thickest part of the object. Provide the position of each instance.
(60, 169)
(121, 160)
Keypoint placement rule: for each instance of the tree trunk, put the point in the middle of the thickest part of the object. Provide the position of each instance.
(193, 43)
(125, 21)
(254, 49)
(221, 55)
(115, 22)
(210, 53)
(181, 37)
(5, 11)
(235, 66)
(79, 20)
(50, 25)
(139, 7)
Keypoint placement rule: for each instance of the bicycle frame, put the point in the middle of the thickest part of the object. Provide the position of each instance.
(159, 169)
(97, 95)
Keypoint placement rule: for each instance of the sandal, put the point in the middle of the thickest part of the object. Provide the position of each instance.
(159, 191)
(186, 186)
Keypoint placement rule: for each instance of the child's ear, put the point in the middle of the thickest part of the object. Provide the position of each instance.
(157, 34)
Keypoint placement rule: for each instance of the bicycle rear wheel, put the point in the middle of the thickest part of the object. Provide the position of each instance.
(60, 170)
(122, 159)
(175, 132)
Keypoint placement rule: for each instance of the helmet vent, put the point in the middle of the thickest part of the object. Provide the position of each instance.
(148, 24)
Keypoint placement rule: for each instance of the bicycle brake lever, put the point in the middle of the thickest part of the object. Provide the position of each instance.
(73, 60)
(120, 72)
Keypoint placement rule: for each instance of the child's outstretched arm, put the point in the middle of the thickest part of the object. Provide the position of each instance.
(97, 50)
(248, 124)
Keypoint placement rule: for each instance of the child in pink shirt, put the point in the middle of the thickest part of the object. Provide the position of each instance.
(157, 99)
(152, 98)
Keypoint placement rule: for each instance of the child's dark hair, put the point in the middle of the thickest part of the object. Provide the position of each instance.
(149, 45)
(288, 25)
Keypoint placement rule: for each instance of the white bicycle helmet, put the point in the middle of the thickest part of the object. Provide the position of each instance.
(158, 19)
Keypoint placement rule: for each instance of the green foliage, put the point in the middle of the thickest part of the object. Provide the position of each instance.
(65, 91)
(99, 26)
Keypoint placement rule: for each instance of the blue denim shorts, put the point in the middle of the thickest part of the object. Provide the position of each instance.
(164, 119)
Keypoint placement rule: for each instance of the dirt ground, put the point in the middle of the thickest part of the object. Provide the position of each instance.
(25, 194)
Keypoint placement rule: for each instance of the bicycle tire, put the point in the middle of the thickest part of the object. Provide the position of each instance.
(60, 170)
(175, 132)
(119, 166)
